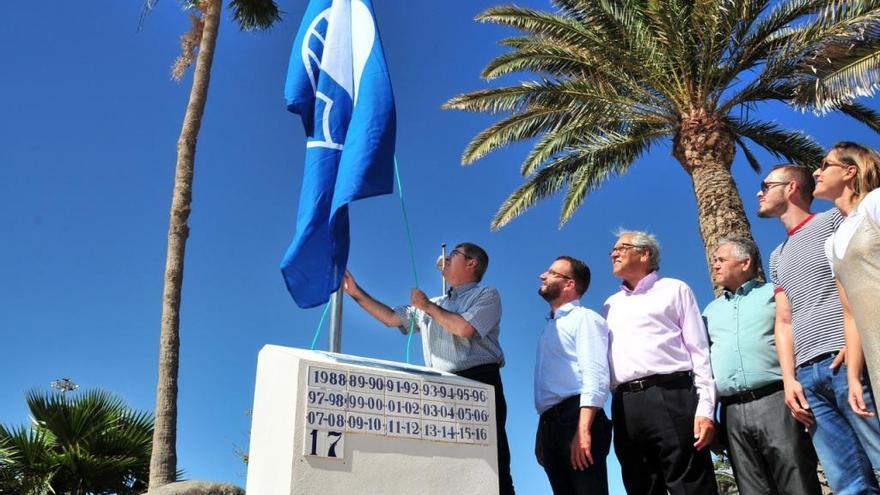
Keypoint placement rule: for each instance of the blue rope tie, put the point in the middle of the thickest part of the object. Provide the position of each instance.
(412, 256)
(320, 324)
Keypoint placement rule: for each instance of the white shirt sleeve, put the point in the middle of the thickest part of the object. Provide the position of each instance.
(829, 252)
(871, 205)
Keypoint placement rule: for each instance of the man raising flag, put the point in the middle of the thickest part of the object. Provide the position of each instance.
(337, 81)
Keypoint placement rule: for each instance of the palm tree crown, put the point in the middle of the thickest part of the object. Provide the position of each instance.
(90, 442)
(614, 77)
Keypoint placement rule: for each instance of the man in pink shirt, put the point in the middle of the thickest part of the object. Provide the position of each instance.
(664, 393)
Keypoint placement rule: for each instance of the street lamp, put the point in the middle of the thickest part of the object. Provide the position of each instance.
(64, 385)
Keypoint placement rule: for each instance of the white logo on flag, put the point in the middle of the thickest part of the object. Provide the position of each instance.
(351, 33)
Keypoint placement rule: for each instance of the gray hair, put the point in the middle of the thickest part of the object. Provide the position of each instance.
(742, 248)
(647, 241)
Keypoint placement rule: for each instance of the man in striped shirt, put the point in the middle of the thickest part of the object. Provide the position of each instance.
(809, 334)
(460, 331)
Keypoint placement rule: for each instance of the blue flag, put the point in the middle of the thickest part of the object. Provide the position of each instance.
(337, 81)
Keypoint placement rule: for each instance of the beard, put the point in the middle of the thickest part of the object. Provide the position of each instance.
(550, 292)
(768, 211)
(765, 213)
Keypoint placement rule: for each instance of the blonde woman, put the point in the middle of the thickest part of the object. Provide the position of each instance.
(850, 177)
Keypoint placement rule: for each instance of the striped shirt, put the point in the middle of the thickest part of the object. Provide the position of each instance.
(799, 268)
(481, 307)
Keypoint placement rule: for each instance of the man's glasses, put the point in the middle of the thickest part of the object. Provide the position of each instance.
(557, 274)
(624, 247)
(765, 186)
(456, 251)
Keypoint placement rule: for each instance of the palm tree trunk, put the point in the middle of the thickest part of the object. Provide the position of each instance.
(163, 460)
(705, 148)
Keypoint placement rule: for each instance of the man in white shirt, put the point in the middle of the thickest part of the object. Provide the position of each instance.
(664, 393)
(571, 385)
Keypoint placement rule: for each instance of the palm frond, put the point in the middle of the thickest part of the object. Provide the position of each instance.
(583, 168)
(524, 125)
(769, 36)
(780, 18)
(609, 48)
(255, 14)
(794, 146)
(538, 23)
(494, 100)
(862, 114)
(541, 56)
(541, 185)
(612, 155)
(750, 157)
(840, 78)
(833, 59)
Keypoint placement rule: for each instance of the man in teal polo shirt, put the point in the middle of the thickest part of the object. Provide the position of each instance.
(769, 450)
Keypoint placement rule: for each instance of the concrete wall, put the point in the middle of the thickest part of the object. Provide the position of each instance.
(366, 463)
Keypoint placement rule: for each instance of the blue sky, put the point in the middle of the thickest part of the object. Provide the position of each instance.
(88, 126)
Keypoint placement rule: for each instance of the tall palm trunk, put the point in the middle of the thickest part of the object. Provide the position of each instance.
(163, 461)
(705, 148)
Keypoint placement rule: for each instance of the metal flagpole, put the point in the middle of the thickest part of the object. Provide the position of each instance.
(335, 338)
(443, 266)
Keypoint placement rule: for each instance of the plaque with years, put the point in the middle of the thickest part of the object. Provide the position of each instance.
(341, 402)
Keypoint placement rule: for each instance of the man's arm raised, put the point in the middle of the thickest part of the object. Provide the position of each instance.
(453, 323)
(376, 308)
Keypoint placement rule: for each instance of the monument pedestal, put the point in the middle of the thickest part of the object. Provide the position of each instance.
(327, 423)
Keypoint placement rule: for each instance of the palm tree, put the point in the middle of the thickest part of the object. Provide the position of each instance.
(615, 77)
(724, 475)
(92, 443)
(249, 14)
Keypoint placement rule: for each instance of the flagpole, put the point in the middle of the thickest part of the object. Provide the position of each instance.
(443, 266)
(335, 338)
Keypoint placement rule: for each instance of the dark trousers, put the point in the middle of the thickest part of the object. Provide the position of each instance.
(654, 441)
(490, 374)
(557, 429)
(769, 451)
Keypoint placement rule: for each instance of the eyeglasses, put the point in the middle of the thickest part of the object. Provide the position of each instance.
(765, 186)
(624, 247)
(825, 164)
(456, 251)
(557, 274)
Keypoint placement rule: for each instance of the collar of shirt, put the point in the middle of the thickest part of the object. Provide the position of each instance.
(454, 292)
(801, 225)
(644, 284)
(563, 310)
(743, 289)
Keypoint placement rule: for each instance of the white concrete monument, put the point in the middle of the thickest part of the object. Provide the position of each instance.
(326, 423)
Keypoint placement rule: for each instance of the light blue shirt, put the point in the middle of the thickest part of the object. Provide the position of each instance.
(572, 358)
(742, 346)
(478, 305)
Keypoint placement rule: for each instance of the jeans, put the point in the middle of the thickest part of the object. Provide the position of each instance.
(847, 444)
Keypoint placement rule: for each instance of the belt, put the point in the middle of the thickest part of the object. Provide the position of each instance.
(557, 410)
(754, 394)
(682, 378)
(819, 358)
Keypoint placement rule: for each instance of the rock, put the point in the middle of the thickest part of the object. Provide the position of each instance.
(197, 488)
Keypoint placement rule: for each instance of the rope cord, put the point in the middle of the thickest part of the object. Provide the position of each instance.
(320, 324)
(412, 256)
